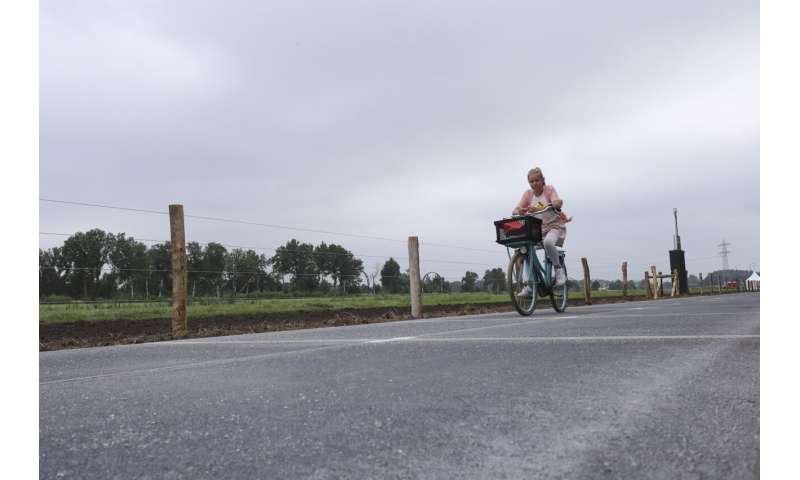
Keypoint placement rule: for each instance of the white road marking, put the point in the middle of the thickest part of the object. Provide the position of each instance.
(257, 342)
(676, 314)
(340, 344)
(497, 326)
(386, 340)
(537, 320)
(591, 338)
(430, 338)
(421, 338)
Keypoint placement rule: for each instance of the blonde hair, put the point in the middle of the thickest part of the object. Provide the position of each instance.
(536, 171)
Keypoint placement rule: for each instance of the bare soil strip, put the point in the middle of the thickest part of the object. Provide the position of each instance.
(57, 336)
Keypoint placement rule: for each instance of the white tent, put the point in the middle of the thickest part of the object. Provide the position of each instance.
(753, 283)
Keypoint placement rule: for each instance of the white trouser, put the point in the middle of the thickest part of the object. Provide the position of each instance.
(549, 244)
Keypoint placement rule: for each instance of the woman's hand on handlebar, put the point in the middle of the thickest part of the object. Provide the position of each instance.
(533, 210)
(549, 206)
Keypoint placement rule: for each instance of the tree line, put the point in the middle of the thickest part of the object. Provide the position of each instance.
(101, 265)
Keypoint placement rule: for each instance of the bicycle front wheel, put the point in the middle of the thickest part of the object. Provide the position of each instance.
(560, 295)
(520, 276)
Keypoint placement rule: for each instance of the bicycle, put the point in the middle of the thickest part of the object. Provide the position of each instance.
(524, 234)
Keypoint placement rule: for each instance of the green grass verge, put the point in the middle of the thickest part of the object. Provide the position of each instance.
(211, 307)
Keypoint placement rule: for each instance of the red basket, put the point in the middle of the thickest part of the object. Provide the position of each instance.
(518, 230)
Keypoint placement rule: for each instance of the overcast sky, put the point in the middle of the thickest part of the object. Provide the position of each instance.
(388, 119)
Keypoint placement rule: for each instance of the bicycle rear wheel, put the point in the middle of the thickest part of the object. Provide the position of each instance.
(560, 295)
(516, 279)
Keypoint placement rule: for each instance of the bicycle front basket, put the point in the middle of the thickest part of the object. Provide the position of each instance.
(518, 229)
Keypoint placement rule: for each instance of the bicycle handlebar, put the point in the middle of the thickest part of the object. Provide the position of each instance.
(549, 206)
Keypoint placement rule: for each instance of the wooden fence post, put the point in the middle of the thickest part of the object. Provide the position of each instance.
(672, 286)
(587, 286)
(719, 283)
(647, 287)
(625, 280)
(179, 273)
(676, 283)
(701, 283)
(415, 285)
(654, 274)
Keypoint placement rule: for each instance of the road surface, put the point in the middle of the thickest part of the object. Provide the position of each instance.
(663, 389)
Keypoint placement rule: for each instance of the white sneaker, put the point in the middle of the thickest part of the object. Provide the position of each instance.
(561, 279)
(525, 292)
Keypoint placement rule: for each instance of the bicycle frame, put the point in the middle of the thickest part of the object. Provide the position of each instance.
(544, 274)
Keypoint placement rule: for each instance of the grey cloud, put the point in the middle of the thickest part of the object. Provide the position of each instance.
(397, 119)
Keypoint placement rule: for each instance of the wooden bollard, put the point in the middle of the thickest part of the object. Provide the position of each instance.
(587, 286)
(179, 272)
(654, 274)
(647, 287)
(701, 283)
(676, 284)
(672, 286)
(415, 285)
(625, 280)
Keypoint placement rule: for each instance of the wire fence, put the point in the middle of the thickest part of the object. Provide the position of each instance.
(282, 277)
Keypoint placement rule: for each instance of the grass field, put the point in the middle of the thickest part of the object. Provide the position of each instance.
(100, 311)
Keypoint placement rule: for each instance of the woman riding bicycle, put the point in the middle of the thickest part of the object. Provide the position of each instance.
(554, 231)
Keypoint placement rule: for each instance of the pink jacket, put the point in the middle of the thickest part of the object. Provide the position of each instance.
(551, 195)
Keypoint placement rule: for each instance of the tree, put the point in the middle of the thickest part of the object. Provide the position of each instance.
(468, 282)
(595, 285)
(84, 255)
(340, 264)
(194, 266)
(128, 259)
(390, 276)
(51, 275)
(325, 259)
(244, 267)
(159, 258)
(615, 285)
(376, 270)
(494, 280)
(433, 282)
(347, 269)
(296, 260)
(212, 266)
(404, 282)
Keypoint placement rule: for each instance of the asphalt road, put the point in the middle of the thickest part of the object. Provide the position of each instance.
(664, 389)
